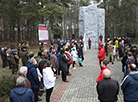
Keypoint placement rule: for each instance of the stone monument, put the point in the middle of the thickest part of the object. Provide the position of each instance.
(92, 24)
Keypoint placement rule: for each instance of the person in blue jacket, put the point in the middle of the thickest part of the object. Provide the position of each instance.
(130, 85)
(21, 93)
(33, 77)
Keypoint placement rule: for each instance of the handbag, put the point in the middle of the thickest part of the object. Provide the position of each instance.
(80, 60)
(70, 62)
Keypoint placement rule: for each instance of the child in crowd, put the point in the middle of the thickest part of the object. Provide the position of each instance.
(74, 57)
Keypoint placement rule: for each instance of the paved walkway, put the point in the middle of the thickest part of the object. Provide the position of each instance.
(82, 84)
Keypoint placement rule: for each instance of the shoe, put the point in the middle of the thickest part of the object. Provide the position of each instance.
(112, 62)
(66, 81)
(74, 68)
(39, 99)
(69, 74)
(81, 65)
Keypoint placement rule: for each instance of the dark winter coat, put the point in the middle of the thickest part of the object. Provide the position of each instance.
(21, 94)
(107, 90)
(3, 55)
(63, 63)
(32, 76)
(135, 53)
(80, 52)
(130, 87)
(41, 64)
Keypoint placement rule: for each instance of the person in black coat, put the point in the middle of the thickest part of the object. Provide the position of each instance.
(107, 88)
(80, 53)
(63, 65)
(42, 62)
(134, 51)
(4, 57)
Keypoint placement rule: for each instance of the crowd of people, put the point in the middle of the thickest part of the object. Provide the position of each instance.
(41, 70)
(119, 48)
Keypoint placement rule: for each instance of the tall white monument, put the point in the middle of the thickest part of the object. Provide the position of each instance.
(92, 23)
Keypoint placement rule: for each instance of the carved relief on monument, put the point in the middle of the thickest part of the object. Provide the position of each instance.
(90, 23)
(101, 22)
(81, 14)
(81, 28)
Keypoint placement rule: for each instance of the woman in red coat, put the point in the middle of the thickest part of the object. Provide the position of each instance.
(101, 55)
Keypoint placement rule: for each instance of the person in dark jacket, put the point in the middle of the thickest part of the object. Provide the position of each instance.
(21, 93)
(42, 62)
(24, 56)
(3, 56)
(14, 60)
(134, 51)
(80, 53)
(63, 65)
(107, 88)
(130, 85)
(33, 77)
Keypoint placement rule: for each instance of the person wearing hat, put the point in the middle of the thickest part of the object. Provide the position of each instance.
(14, 60)
(24, 56)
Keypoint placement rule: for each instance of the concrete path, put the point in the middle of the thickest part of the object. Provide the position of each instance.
(82, 84)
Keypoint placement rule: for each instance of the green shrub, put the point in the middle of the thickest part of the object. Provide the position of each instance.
(6, 85)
